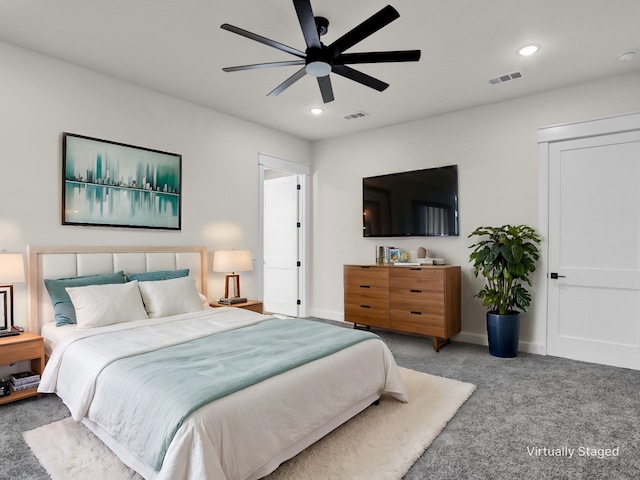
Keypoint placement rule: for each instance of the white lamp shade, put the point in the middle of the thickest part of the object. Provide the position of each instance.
(11, 268)
(232, 261)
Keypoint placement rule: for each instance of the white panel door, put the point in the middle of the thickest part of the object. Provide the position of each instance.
(281, 244)
(594, 250)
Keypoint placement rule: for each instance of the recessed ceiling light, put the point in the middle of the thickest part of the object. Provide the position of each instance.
(316, 111)
(528, 50)
(627, 56)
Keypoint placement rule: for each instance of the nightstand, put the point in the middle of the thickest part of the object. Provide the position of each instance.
(253, 305)
(26, 346)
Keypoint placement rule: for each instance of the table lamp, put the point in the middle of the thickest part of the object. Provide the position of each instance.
(11, 271)
(232, 261)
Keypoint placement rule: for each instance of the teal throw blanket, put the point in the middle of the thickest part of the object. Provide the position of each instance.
(171, 383)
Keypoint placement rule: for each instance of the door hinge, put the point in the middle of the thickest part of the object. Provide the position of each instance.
(298, 224)
(298, 302)
(298, 264)
(298, 187)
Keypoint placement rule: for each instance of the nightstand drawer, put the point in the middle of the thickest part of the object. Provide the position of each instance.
(25, 346)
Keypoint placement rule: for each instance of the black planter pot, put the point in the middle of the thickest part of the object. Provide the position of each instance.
(504, 334)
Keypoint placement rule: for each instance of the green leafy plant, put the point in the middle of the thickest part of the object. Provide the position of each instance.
(505, 256)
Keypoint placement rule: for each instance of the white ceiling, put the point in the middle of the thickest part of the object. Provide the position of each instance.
(177, 47)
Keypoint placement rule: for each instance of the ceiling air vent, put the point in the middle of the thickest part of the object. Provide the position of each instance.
(351, 116)
(505, 78)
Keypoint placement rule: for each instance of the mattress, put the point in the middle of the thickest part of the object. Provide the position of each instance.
(246, 434)
(53, 335)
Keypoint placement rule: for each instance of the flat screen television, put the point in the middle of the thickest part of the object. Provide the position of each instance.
(422, 203)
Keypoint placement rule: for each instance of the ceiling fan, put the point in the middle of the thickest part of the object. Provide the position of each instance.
(319, 60)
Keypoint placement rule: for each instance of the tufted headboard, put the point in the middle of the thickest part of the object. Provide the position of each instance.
(65, 261)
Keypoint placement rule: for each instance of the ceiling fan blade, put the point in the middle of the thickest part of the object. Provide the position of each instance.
(374, 23)
(360, 77)
(307, 23)
(263, 40)
(256, 66)
(378, 57)
(325, 89)
(287, 83)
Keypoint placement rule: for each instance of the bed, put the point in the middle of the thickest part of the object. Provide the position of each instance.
(115, 377)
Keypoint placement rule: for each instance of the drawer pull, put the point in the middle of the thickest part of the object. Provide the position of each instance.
(416, 268)
(365, 286)
(365, 266)
(415, 291)
(365, 306)
(416, 313)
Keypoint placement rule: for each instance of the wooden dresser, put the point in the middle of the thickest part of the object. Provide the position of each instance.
(423, 300)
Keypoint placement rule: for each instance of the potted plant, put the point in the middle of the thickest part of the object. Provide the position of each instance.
(505, 256)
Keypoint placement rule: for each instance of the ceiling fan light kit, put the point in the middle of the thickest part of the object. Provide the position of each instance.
(318, 69)
(319, 60)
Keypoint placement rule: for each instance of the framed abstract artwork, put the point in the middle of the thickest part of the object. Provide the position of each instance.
(112, 184)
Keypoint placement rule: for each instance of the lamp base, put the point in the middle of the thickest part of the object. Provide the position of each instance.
(235, 278)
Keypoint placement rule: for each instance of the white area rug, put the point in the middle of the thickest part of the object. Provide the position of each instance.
(382, 442)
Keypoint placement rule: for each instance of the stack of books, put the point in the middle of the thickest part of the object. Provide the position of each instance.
(24, 380)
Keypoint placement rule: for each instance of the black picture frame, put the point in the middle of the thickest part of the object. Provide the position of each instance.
(112, 184)
(6, 322)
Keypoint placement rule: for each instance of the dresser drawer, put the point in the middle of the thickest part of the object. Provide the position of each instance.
(377, 297)
(368, 276)
(418, 278)
(365, 315)
(416, 322)
(424, 301)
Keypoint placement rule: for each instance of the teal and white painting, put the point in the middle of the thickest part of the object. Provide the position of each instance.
(114, 184)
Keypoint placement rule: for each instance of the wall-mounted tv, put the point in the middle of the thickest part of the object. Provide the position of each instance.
(416, 203)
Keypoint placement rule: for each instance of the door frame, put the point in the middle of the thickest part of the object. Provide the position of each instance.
(560, 133)
(268, 162)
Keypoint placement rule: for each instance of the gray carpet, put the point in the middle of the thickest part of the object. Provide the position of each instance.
(521, 404)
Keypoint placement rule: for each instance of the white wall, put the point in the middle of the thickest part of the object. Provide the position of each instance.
(495, 148)
(41, 97)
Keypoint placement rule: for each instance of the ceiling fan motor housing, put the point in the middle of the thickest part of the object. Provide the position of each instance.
(322, 24)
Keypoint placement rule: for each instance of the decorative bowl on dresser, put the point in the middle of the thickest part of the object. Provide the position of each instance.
(423, 300)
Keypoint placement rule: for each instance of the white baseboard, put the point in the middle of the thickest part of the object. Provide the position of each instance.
(473, 338)
(465, 337)
(479, 339)
(327, 314)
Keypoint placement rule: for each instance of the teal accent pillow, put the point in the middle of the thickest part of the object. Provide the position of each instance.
(157, 276)
(63, 309)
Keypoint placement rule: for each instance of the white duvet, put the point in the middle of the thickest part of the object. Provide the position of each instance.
(244, 435)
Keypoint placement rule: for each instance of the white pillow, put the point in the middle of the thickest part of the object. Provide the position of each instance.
(170, 297)
(101, 305)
